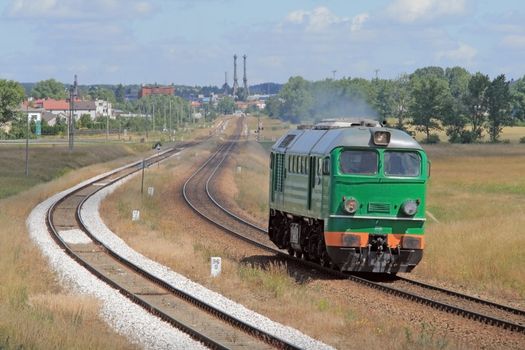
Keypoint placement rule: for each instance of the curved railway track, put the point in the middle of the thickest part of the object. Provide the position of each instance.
(202, 321)
(469, 307)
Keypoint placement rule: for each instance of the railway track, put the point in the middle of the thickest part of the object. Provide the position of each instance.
(469, 307)
(214, 328)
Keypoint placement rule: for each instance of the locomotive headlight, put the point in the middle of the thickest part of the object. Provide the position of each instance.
(351, 205)
(410, 207)
(381, 138)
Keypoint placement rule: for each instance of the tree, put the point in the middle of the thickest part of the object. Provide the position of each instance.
(120, 93)
(517, 91)
(401, 99)
(498, 107)
(427, 72)
(475, 101)
(431, 103)
(100, 93)
(49, 89)
(384, 98)
(458, 79)
(273, 106)
(297, 98)
(11, 96)
(226, 105)
(455, 122)
(85, 121)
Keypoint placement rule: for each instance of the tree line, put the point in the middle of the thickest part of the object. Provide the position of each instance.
(465, 105)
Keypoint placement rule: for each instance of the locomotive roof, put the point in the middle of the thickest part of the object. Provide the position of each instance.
(322, 142)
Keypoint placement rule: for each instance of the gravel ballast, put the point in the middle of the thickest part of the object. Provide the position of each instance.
(121, 314)
(91, 218)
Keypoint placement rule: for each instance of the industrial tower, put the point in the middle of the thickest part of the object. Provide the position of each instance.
(235, 82)
(225, 87)
(245, 80)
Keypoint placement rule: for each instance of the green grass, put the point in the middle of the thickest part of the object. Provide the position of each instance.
(47, 162)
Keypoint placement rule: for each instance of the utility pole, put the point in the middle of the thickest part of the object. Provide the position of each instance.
(164, 112)
(153, 117)
(144, 114)
(27, 139)
(181, 113)
(107, 127)
(376, 71)
(258, 137)
(246, 89)
(73, 93)
(333, 74)
(169, 121)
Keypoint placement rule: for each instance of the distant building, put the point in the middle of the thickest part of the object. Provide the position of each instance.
(244, 105)
(104, 109)
(61, 107)
(39, 114)
(51, 118)
(147, 90)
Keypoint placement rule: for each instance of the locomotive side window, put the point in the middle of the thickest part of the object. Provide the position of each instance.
(326, 166)
(402, 164)
(305, 159)
(358, 162)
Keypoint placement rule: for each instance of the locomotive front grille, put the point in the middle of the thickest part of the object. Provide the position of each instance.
(378, 208)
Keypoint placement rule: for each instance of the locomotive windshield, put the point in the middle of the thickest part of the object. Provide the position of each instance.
(358, 162)
(402, 164)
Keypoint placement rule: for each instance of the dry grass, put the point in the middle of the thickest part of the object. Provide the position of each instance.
(510, 134)
(172, 234)
(272, 128)
(251, 164)
(478, 194)
(36, 312)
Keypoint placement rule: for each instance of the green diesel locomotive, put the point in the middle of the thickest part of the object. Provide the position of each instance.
(349, 195)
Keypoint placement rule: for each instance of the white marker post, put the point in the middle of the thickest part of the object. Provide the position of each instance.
(215, 266)
(151, 191)
(135, 215)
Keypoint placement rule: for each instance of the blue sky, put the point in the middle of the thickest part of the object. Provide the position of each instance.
(192, 42)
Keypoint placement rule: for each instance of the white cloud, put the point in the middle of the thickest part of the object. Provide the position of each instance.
(408, 11)
(296, 17)
(316, 20)
(462, 54)
(358, 21)
(321, 17)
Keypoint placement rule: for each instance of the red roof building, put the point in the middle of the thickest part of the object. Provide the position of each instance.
(156, 90)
